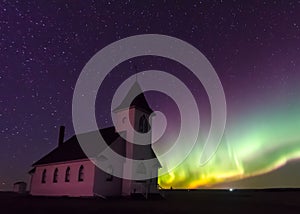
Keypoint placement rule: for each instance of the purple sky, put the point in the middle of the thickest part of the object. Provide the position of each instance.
(253, 45)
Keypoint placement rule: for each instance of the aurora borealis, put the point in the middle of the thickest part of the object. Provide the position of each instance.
(258, 145)
(254, 46)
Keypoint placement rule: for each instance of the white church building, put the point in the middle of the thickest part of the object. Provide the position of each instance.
(66, 170)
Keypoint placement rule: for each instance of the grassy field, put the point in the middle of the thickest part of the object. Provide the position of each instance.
(179, 201)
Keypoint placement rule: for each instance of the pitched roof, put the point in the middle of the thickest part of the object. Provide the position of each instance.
(71, 149)
(138, 102)
(19, 182)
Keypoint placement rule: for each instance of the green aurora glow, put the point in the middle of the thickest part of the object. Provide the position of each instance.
(258, 145)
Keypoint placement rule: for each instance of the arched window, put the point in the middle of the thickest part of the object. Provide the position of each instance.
(141, 169)
(67, 177)
(55, 175)
(81, 173)
(143, 124)
(109, 174)
(44, 176)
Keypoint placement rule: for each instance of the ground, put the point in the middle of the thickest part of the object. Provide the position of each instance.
(183, 201)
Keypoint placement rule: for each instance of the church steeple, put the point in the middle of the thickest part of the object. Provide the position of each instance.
(139, 101)
(132, 119)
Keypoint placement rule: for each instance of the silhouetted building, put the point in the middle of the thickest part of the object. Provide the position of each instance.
(66, 171)
(20, 187)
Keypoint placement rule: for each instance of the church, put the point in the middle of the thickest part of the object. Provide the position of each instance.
(66, 170)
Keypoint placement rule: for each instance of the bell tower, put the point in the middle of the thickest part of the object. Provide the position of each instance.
(136, 114)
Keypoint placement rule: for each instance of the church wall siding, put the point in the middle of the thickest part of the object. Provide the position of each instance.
(61, 187)
(106, 185)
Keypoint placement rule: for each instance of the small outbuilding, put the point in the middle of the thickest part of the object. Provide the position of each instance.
(20, 187)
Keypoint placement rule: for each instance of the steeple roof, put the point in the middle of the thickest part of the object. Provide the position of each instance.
(138, 102)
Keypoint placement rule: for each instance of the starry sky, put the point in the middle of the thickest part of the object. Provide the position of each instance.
(253, 45)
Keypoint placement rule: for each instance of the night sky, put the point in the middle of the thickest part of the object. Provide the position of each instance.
(253, 45)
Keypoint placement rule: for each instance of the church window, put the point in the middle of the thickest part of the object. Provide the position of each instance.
(109, 174)
(44, 176)
(141, 169)
(55, 175)
(143, 125)
(81, 173)
(67, 176)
